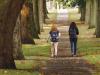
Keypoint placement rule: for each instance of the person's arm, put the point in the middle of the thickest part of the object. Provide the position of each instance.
(49, 37)
(69, 31)
(59, 34)
(77, 31)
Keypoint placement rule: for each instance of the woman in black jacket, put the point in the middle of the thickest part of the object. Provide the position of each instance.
(73, 32)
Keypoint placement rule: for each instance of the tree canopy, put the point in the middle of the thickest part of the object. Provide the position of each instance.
(72, 3)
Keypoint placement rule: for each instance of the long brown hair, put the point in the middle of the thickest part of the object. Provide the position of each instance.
(73, 25)
(54, 27)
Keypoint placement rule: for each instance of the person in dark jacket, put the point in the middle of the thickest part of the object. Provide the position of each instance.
(73, 32)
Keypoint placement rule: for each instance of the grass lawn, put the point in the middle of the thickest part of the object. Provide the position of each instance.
(95, 60)
(17, 72)
(88, 46)
(87, 43)
(36, 50)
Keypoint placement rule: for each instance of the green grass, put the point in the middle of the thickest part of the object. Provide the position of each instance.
(93, 59)
(88, 47)
(87, 43)
(97, 73)
(26, 64)
(36, 50)
(17, 72)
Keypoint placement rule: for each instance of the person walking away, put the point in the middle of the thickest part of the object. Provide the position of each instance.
(73, 32)
(54, 38)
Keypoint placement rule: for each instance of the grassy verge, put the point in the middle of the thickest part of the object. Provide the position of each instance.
(88, 46)
(87, 43)
(17, 72)
(94, 60)
(36, 50)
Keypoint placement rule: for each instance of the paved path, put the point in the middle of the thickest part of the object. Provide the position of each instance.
(65, 65)
(64, 44)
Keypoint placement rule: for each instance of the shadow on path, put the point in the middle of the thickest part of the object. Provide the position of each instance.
(66, 66)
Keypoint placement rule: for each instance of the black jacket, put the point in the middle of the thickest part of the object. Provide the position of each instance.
(77, 31)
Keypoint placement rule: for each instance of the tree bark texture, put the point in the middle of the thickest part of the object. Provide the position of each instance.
(8, 17)
(98, 20)
(41, 14)
(45, 9)
(33, 26)
(36, 16)
(17, 45)
(26, 34)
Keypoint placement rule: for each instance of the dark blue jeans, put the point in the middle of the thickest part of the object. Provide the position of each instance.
(73, 43)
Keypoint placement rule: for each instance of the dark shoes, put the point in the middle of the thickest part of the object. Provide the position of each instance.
(54, 56)
(74, 55)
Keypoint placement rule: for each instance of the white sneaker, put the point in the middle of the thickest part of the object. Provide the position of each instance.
(52, 55)
(74, 55)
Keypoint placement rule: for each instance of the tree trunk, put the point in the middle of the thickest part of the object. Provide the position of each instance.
(98, 20)
(33, 26)
(41, 14)
(87, 16)
(45, 9)
(18, 53)
(83, 13)
(26, 34)
(8, 17)
(92, 10)
(36, 15)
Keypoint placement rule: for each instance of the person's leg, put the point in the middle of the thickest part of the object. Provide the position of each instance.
(56, 48)
(75, 46)
(71, 43)
(52, 49)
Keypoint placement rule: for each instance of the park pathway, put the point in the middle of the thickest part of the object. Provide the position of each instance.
(64, 64)
(63, 26)
(64, 44)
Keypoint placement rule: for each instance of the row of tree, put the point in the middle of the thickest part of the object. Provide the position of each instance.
(20, 22)
(89, 10)
(72, 3)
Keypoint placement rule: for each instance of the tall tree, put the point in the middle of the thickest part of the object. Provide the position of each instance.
(41, 14)
(98, 20)
(45, 9)
(82, 9)
(36, 16)
(17, 45)
(8, 17)
(33, 27)
(26, 34)
(73, 3)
